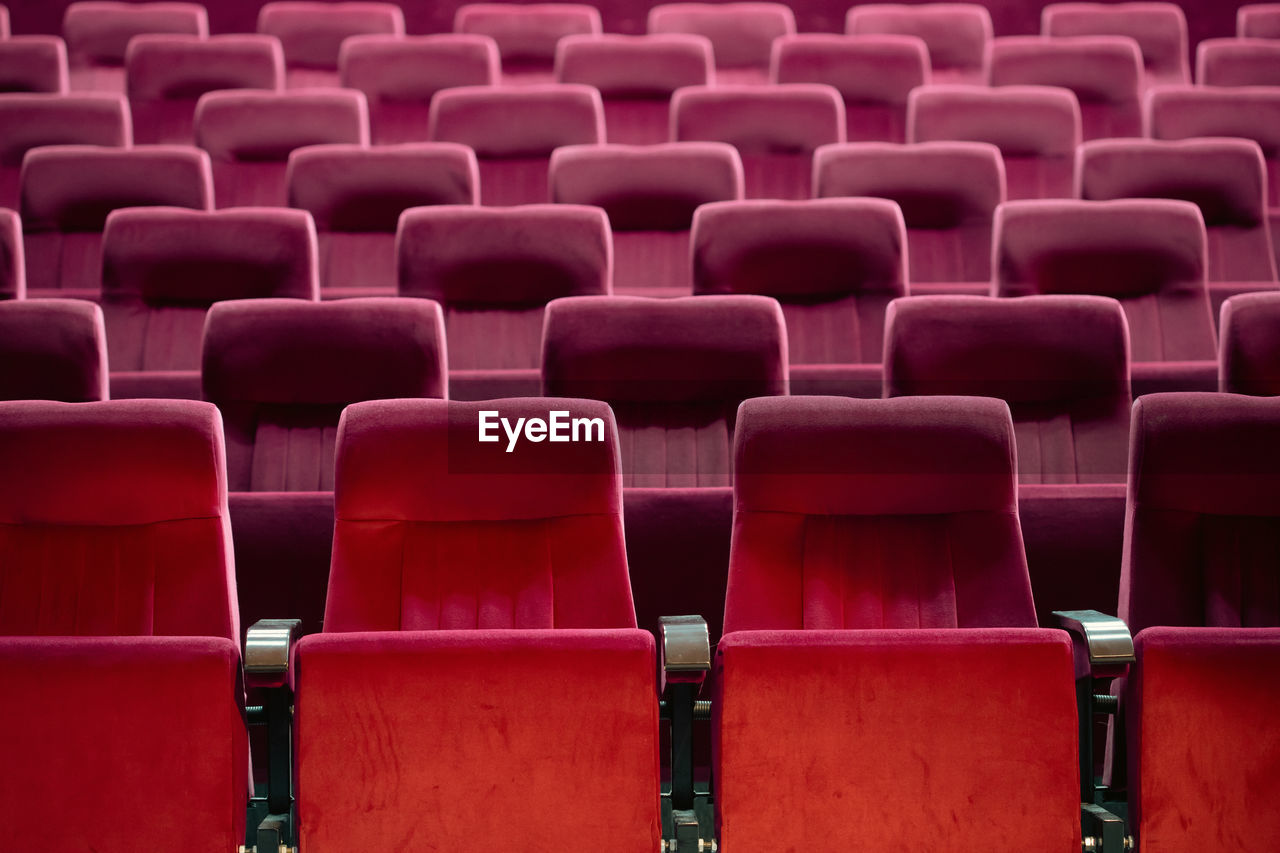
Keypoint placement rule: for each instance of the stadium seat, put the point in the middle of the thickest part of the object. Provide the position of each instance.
(741, 34)
(1238, 62)
(527, 34)
(948, 193)
(1036, 128)
(956, 34)
(356, 196)
(775, 129)
(250, 134)
(1249, 350)
(1258, 20)
(400, 74)
(52, 349)
(833, 265)
(873, 73)
(1104, 72)
(1160, 29)
(636, 76)
(34, 64)
(674, 372)
(30, 120)
(493, 270)
(97, 33)
(514, 129)
(312, 34)
(68, 191)
(650, 193)
(166, 74)
(13, 263)
(282, 370)
(163, 267)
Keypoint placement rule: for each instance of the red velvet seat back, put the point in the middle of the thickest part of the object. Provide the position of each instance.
(527, 35)
(1249, 356)
(52, 349)
(1238, 62)
(36, 64)
(1258, 20)
(97, 33)
(4, 22)
(956, 33)
(13, 264)
(876, 514)
(1060, 362)
(1160, 29)
(281, 371)
(31, 120)
(312, 33)
(948, 193)
(741, 34)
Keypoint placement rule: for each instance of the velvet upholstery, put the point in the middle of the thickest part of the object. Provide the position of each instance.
(249, 135)
(1104, 72)
(34, 63)
(741, 33)
(1238, 62)
(1159, 28)
(5, 29)
(13, 264)
(873, 73)
(1248, 356)
(650, 193)
(948, 193)
(97, 33)
(1036, 128)
(52, 349)
(312, 33)
(775, 129)
(674, 371)
(1258, 20)
(281, 371)
(956, 34)
(31, 120)
(166, 74)
(1060, 362)
(1074, 536)
(527, 34)
(356, 195)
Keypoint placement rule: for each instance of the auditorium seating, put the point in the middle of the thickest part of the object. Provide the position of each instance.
(4, 22)
(356, 196)
(1159, 28)
(97, 33)
(741, 33)
(312, 34)
(1249, 350)
(1238, 62)
(1258, 20)
(527, 35)
(853, 256)
(957, 34)
(34, 64)
(52, 349)
(13, 263)
(649, 193)
(31, 120)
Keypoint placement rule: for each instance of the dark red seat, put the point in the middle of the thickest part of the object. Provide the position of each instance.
(98, 33)
(312, 33)
(957, 34)
(34, 64)
(30, 120)
(741, 33)
(1159, 28)
(527, 35)
(1249, 355)
(1258, 20)
(1238, 62)
(52, 349)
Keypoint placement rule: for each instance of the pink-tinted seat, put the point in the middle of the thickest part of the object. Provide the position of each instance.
(166, 74)
(356, 196)
(1258, 20)
(948, 193)
(636, 76)
(282, 370)
(1104, 72)
(833, 264)
(163, 267)
(494, 270)
(249, 135)
(650, 193)
(1060, 362)
(31, 120)
(775, 129)
(119, 602)
(312, 33)
(1249, 352)
(4, 22)
(400, 74)
(68, 191)
(514, 129)
(13, 263)
(1238, 62)
(956, 34)
(52, 349)
(98, 33)
(741, 34)
(527, 34)
(1160, 29)
(1036, 128)
(674, 371)
(34, 64)
(873, 73)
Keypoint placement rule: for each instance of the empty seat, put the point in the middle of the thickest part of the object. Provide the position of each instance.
(1249, 354)
(956, 34)
(873, 73)
(52, 349)
(494, 270)
(650, 193)
(400, 74)
(163, 267)
(250, 134)
(1036, 128)
(356, 196)
(1104, 72)
(1258, 20)
(98, 33)
(1238, 62)
(166, 74)
(34, 64)
(282, 370)
(1148, 254)
(527, 35)
(1160, 29)
(833, 264)
(948, 193)
(674, 372)
(68, 191)
(1060, 362)
(514, 129)
(28, 121)
(4, 22)
(775, 129)
(312, 34)
(13, 264)
(741, 34)
(636, 76)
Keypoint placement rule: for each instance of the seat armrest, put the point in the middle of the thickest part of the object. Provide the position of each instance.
(1102, 644)
(685, 646)
(267, 649)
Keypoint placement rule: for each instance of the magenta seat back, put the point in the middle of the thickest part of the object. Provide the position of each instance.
(98, 31)
(52, 349)
(527, 35)
(956, 34)
(4, 22)
(30, 120)
(13, 264)
(35, 64)
(312, 33)
(1249, 355)
(1258, 20)
(1160, 29)
(1238, 62)
(741, 34)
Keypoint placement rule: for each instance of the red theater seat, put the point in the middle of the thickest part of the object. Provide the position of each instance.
(166, 74)
(357, 194)
(650, 193)
(1160, 29)
(52, 349)
(833, 265)
(1249, 354)
(1258, 20)
(1238, 62)
(13, 264)
(873, 73)
(956, 34)
(34, 64)
(98, 33)
(527, 35)
(312, 34)
(741, 34)
(674, 371)
(30, 120)
(4, 22)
